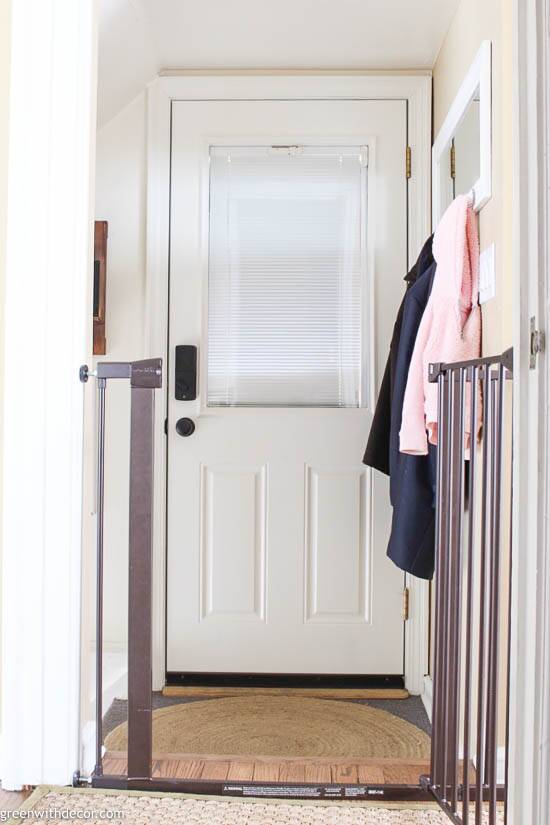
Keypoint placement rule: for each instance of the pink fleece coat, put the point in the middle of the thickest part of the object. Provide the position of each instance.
(450, 329)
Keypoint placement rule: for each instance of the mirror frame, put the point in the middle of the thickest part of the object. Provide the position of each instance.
(478, 76)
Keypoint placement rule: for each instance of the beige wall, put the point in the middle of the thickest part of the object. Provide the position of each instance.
(474, 22)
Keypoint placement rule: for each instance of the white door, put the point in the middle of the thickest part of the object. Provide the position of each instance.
(287, 254)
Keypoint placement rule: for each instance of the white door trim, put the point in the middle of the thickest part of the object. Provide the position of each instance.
(529, 748)
(417, 631)
(543, 697)
(416, 90)
(47, 336)
(427, 695)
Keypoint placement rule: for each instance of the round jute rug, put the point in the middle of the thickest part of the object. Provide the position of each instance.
(280, 726)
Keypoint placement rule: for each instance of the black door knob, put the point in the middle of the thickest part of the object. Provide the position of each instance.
(185, 427)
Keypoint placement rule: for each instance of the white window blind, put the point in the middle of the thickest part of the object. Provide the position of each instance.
(286, 276)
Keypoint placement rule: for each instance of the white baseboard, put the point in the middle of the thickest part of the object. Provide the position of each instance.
(11, 787)
(87, 749)
(115, 677)
(115, 686)
(427, 698)
(427, 695)
(501, 764)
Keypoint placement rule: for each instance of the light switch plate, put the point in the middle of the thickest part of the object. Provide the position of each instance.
(487, 275)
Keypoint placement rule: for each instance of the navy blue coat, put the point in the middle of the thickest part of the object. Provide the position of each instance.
(412, 478)
(377, 453)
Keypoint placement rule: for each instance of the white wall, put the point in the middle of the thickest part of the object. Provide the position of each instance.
(120, 200)
(5, 21)
(47, 322)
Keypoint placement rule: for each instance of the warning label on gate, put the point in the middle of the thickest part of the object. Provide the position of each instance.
(304, 791)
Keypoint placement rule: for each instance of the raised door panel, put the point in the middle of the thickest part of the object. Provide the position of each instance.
(233, 542)
(337, 545)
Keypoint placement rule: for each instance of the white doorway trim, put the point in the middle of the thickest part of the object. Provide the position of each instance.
(530, 666)
(416, 90)
(47, 337)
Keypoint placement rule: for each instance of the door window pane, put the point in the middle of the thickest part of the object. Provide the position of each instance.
(287, 276)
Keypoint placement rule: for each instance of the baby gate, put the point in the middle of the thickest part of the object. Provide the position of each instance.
(472, 605)
(470, 661)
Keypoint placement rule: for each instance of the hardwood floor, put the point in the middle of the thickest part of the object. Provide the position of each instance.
(272, 769)
(10, 800)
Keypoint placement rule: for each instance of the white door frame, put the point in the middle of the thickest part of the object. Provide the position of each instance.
(530, 666)
(47, 336)
(543, 697)
(416, 90)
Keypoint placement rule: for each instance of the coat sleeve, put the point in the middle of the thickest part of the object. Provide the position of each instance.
(412, 317)
(377, 452)
(412, 436)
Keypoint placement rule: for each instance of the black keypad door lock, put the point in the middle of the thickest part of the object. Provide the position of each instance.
(186, 373)
(185, 427)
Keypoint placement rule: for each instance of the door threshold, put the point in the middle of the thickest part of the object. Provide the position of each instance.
(332, 681)
(314, 693)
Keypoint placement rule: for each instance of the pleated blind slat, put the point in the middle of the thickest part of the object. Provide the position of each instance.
(286, 277)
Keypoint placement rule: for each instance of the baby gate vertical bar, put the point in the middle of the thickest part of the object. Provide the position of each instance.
(447, 584)
(455, 577)
(490, 558)
(439, 739)
(473, 378)
(145, 377)
(480, 746)
(435, 764)
(494, 620)
(101, 386)
(508, 648)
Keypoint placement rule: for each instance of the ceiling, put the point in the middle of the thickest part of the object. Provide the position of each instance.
(137, 38)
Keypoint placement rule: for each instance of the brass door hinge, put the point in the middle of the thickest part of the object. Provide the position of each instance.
(453, 161)
(408, 162)
(536, 343)
(405, 604)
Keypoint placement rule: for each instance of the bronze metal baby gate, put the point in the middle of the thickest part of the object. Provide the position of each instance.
(471, 609)
(137, 770)
(144, 377)
(468, 773)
